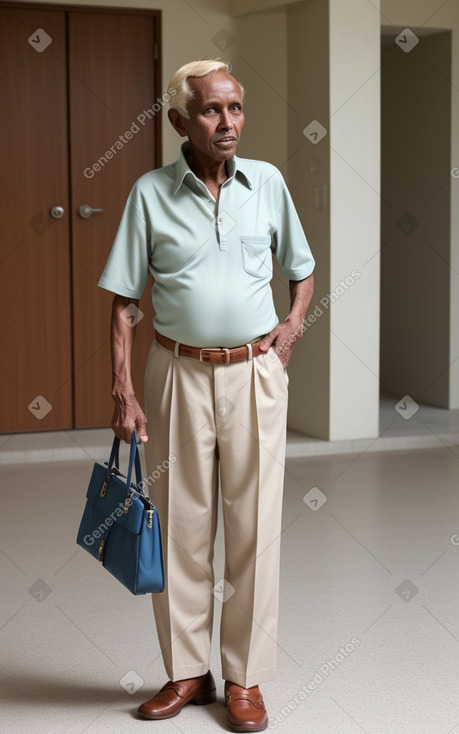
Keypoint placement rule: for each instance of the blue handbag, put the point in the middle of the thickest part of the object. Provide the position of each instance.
(120, 525)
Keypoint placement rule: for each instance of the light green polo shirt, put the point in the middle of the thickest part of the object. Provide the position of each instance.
(211, 264)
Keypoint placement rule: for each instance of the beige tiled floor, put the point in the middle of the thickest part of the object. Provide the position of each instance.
(369, 629)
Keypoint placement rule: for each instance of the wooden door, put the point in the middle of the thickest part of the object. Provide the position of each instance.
(74, 81)
(36, 351)
(112, 83)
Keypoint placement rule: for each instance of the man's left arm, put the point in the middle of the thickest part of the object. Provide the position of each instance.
(285, 335)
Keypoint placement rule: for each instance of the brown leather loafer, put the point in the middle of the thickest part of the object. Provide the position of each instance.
(245, 708)
(172, 697)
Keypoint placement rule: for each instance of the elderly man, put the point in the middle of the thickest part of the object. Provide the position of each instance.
(216, 387)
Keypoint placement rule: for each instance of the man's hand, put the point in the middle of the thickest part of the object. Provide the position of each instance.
(283, 339)
(284, 336)
(128, 416)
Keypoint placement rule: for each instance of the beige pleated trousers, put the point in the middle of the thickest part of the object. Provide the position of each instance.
(209, 423)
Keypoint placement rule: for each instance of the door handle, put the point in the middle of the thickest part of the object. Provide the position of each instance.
(57, 212)
(86, 211)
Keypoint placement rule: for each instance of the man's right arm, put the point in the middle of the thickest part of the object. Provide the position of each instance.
(128, 415)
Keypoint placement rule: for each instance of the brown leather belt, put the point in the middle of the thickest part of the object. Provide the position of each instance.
(208, 355)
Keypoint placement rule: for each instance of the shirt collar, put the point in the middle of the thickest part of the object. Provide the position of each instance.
(182, 169)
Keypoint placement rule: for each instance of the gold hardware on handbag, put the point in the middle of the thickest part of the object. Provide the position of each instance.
(150, 514)
(127, 503)
(103, 490)
(101, 552)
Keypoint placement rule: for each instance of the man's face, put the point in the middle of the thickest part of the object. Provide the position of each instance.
(216, 116)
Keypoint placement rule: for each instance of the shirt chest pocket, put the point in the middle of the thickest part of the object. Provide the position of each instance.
(257, 256)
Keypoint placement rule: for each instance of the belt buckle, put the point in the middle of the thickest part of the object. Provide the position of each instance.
(224, 351)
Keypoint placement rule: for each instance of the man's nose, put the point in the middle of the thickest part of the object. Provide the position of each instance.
(225, 120)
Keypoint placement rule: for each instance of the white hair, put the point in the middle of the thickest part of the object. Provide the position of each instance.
(179, 82)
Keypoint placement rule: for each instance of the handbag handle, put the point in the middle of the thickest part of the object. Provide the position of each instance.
(114, 454)
(134, 459)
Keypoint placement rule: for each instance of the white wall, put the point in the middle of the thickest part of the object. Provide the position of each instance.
(415, 275)
(259, 59)
(433, 14)
(244, 7)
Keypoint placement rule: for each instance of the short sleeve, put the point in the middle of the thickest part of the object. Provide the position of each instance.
(290, 245)
(126, 271)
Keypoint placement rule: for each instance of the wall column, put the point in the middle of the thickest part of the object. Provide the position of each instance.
(334, 175)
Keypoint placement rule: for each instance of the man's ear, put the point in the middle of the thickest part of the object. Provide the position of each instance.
(177, 122)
